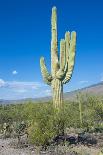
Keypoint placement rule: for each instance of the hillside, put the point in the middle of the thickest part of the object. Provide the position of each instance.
(96, 89)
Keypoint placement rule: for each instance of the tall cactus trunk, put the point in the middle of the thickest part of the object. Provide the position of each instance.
(57, 91)
(62, 63)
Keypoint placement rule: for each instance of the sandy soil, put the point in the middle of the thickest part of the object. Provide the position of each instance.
(9, 147)
(6, 148)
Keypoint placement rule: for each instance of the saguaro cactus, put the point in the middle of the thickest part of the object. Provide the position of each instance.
(61, 68)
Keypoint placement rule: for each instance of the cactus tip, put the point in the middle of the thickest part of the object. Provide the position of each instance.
(53, 8)
(62, 40)
(74, 32)
(42, 58)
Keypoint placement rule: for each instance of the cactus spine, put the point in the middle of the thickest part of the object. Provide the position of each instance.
(61, 68)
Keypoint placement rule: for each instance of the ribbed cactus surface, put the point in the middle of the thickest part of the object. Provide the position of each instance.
(61, 67)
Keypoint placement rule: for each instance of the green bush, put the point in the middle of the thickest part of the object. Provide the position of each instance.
(44, 122)
(41, 130)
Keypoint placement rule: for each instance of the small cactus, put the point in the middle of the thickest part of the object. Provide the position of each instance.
(80, 99)
(61, 68)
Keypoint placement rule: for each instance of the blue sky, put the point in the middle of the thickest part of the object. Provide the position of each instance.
(25, 35)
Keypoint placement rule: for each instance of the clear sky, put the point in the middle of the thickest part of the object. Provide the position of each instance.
(25, 35)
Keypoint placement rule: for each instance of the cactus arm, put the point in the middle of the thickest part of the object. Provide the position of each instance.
(61, 73)
(62, 54)
(54, 49)
(67, 40)
(71, 58)
(46, 76)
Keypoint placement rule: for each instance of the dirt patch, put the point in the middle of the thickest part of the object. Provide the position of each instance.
(6, 148)
(9, 147)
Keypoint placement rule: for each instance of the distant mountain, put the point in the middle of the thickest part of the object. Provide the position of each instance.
(96, 89)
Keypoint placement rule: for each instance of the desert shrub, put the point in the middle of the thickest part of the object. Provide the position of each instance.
(41, 136)
(93, 112)
(10, 113)
(71, 114)
(42, 129)
(44, 124)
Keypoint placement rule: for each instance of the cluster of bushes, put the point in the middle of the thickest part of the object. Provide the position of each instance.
(43, 124)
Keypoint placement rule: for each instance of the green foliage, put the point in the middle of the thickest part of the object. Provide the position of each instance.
(40, 134)
(10, 113)
(20, 128)
(43, 122)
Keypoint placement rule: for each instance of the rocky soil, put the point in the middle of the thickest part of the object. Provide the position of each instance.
(10, 146)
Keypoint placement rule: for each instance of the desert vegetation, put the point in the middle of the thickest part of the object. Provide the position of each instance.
(81, 120)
